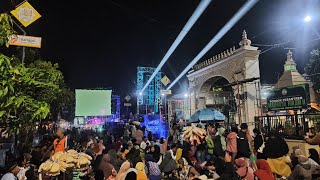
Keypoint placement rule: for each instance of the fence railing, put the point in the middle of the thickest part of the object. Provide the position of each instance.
(289, 126)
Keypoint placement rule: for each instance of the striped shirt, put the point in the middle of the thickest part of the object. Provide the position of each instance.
(152, 169)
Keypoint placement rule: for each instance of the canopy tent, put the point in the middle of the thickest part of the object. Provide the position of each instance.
(207, 114)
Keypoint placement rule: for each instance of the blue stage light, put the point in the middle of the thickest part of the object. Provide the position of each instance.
(243, 10)
(195, 16)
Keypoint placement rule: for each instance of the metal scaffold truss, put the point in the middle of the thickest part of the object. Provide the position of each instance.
(151, 97)
(116, 109)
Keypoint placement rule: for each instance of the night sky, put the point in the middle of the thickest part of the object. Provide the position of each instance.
(100, 43)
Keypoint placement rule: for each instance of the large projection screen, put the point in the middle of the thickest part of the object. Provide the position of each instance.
(93, 102)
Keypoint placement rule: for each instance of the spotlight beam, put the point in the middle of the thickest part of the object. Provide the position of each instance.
(241, 12)
(193, 19)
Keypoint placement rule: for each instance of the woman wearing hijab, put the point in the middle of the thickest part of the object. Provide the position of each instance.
(168, 165)
(155, 152)
(314, 155)
(115, 160)
(134, 156)
(123, 171)
(232, 142)
(106, 166)
(303, 170)
(264, 172)
(152, 168)
(276, 150)
(221, 133)
(141, 174)
(229, 173)
(244, 171)
(185, 170)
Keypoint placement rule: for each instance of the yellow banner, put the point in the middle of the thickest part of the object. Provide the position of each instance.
(27, 41)
(26, 14)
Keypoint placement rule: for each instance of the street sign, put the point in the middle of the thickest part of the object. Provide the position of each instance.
(165, 80)
(289, 98)
(26, 14)
(27, 41)
(165, 92)
(127, 98)
(127, 104)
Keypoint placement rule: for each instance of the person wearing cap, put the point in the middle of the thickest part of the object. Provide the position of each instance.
(12, 172)
(60, 144)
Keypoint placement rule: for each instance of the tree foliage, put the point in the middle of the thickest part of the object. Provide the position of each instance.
(18, 106)
(28, 92)
(58, 98)
(312, 68)
(32, 92)
(6, 29)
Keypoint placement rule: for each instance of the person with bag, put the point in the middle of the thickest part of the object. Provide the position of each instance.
(243, 143)
(258, 143)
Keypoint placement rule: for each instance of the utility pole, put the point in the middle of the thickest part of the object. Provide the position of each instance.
(24, 33)
(239, 103)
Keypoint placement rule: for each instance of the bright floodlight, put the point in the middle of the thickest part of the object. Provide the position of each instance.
(307, 19)
(186, 95)
(241, 12)
(140, 94)
(193, 19)
(162, 94)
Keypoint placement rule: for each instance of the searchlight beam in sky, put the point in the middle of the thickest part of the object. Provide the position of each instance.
(195, 16)
(243, 10)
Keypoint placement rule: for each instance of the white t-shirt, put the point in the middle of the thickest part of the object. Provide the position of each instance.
(9, 176)
(143, 145)
(22, 173)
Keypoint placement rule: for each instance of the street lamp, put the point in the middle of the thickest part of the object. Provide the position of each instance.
(307, 18)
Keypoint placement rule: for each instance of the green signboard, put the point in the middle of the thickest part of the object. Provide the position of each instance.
(289, 98)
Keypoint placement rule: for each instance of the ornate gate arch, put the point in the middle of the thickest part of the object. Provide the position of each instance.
(235, 66)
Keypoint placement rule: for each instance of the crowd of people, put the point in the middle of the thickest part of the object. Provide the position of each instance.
(127, 154)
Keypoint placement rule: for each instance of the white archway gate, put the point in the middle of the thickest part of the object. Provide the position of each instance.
(236, 66)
